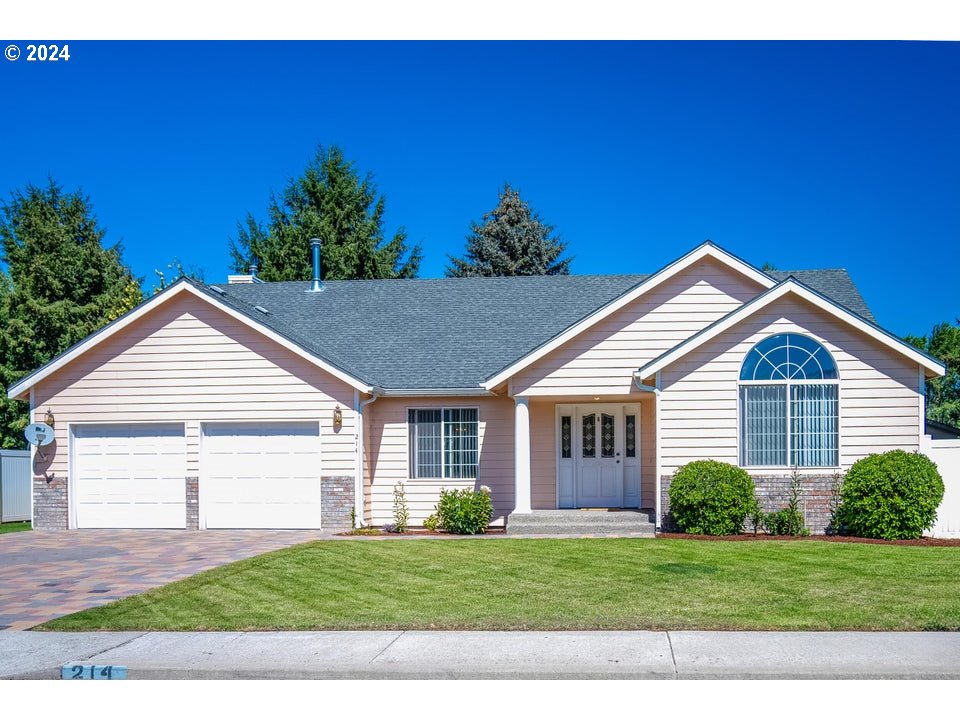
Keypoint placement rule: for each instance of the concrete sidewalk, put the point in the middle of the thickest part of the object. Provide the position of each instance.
(536, 655)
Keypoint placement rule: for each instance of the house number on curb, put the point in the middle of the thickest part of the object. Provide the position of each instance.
(93, 672)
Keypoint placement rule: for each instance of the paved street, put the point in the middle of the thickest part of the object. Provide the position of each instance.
(416, 654)
(44, 575)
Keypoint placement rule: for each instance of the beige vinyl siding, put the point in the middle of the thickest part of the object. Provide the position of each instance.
(189, 362)
(543, 455)
(602, 359)
(879, 389)
(386, 448)
(648, 452)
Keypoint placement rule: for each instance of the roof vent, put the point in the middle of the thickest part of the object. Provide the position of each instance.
(218, 290)
(315, 284)
(262, 309)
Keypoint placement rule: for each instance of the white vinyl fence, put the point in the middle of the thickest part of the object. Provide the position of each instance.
(946, 454)
(14, 485)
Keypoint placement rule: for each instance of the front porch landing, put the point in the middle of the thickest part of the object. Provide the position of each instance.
(609, 523)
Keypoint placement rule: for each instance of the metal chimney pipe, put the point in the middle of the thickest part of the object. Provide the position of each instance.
(253, 269)
(315, 285)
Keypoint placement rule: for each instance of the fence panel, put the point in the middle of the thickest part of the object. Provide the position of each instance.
(14, 485)
(946, 454)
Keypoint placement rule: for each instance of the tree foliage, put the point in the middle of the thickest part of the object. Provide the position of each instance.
(331, 201)
(59, 284)
(943, 394)
(511, 240)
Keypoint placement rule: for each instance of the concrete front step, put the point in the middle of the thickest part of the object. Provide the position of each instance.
(580, 522)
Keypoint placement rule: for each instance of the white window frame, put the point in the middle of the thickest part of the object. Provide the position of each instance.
(741, 448)
(443, 437)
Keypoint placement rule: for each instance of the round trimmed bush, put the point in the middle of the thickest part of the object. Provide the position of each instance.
(708, 497)
(464, 512)
(890, 496)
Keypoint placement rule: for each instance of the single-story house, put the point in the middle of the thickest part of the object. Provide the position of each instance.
(302, 405)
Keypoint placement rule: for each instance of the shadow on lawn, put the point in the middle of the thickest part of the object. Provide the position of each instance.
(684, 569)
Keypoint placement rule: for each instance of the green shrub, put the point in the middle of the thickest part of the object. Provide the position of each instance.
(464, 512)
(708, 497)
(891, 496)
(432, 522)
(788, 520)
(785, 521)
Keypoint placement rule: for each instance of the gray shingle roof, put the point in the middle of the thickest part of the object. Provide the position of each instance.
(451, 332)
(834, 283)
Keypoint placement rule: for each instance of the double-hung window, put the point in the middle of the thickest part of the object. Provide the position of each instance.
(789, 404)
(443, 442)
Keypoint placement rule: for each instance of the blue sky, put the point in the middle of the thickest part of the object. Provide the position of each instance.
(798, 154)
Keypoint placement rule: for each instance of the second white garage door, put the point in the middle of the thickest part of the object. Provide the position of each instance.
(260, 475)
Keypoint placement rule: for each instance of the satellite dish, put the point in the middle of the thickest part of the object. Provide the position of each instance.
(39, 434)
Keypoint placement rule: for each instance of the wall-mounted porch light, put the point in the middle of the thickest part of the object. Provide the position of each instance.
(49, 419)
(337, 417)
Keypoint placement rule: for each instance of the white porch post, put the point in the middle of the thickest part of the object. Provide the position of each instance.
(521, 449)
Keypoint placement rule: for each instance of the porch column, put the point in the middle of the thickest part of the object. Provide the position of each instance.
(521, 450)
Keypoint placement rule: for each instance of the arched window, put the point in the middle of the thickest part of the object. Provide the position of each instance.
(789, 410)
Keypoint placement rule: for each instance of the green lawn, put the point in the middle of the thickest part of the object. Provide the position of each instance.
(556, 584)
(14, 527)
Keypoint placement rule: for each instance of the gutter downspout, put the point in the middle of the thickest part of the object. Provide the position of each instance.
(637, 381)
(358, 406)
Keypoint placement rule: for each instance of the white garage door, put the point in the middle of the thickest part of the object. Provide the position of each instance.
(129, 476)
(261, 475)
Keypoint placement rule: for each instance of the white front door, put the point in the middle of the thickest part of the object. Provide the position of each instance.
(260, 475)
(599, 465)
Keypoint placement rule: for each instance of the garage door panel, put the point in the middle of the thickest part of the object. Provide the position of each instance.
(130, 476)
(261, 476)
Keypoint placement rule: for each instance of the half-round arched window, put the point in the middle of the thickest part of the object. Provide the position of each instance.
(788, 356)
(789, 404)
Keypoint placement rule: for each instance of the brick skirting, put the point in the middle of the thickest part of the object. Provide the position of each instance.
(193, 503)
(773, 491)
(50, 508)
(336, 502)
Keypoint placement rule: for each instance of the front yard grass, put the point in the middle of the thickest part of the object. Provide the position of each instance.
(14, 527)
(575, 584)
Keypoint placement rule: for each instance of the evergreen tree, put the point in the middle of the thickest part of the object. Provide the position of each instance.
(59, 285)
(943, 394)
(332, 202)
(511, 240)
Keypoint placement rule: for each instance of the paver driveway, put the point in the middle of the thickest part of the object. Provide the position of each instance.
(44, 575)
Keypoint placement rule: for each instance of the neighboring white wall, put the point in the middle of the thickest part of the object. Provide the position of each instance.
(880, 394)
(602, 360)
(386, 461)
(189, 362)
(946, 455)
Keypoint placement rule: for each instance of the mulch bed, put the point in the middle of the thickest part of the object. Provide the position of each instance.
(746, 537)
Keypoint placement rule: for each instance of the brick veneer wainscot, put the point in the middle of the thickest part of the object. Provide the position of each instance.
(50, 508)
(193, 503)
(336, 502)
(773, 491)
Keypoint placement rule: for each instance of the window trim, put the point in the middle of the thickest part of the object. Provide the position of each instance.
(443, 467)
(741, 459)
